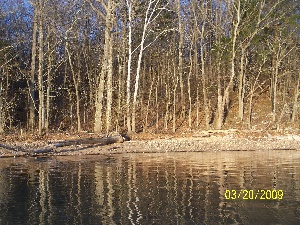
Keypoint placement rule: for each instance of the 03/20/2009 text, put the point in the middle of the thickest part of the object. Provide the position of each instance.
(253, 194)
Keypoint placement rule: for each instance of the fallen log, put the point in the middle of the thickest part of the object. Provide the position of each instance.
(44, 150)
(116, 138)
(90, 141)
(11, 148)
(21, 149)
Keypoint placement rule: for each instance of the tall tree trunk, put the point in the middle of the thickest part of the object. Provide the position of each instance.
(121, 79)
(253, 87)
(106, 71)
(175, 81)
(220, 107)
(204, 80)
(168, 90)
(223, 101)
(1, 104)
(189, 88)
(274, 76)
(180, 57)
(149, 98)
(76, 86)
(109, 85)
(296, 96)
(51, 50)
(241, 86)
(77, 82)
(274, 90)
(137, 77)
(40, 71)
(99, 101)
(220, 113)
(49, 71)
(197, 108)
(250, 111)
(120, 89)
(31, 121)
(128, 117)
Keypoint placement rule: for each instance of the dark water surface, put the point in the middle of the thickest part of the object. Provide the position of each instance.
(168, 188)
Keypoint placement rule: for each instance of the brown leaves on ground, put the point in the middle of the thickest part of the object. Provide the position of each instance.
(210, 140)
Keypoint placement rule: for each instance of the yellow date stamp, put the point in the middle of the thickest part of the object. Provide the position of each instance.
(253, 194)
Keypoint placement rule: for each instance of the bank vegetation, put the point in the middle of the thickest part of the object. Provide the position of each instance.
(151, 65)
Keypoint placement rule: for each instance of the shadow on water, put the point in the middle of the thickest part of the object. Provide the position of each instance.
(168, 188)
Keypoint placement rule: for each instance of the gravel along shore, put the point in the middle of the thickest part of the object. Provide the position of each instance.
(185, 144)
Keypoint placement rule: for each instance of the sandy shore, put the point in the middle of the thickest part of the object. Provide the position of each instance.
(204, 141)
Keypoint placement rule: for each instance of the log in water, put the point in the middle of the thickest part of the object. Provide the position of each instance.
(115, 138)
(83, 141)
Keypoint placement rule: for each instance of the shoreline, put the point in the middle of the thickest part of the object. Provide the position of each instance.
(205, 141)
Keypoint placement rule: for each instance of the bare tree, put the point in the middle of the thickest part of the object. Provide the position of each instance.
(67, 52)
(296, 96)
(106, 70)
(223, 104)
(202, 30)
(31, 121)
(128, 120)
(40, 68)
(2, 119)
(180, 56)
(152, 12)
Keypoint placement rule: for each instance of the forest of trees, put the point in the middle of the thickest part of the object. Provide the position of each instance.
(134, 65)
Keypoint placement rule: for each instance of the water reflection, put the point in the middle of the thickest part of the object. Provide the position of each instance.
(173, 188)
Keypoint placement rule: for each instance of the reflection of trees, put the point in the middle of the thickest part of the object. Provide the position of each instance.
(169, 191)
(110, 195)
(4, 187)
(142, 189)
(43, 188)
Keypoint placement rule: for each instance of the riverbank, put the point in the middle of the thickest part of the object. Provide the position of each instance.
(222, 140)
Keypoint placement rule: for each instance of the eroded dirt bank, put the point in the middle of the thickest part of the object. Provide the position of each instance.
(200, 141)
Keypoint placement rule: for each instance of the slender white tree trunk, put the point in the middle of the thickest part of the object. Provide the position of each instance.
(137, 77)
(49, 71)
(1, 105)
(241, 86)
(31, 122)
(128, 119)
(296, 96)
(109, 88)
(40, 72)
(180, 56)
(204, 80)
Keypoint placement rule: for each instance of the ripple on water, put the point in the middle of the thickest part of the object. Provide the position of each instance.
(161, 188)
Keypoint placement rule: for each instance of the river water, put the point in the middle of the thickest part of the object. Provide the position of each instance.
(233, 187)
